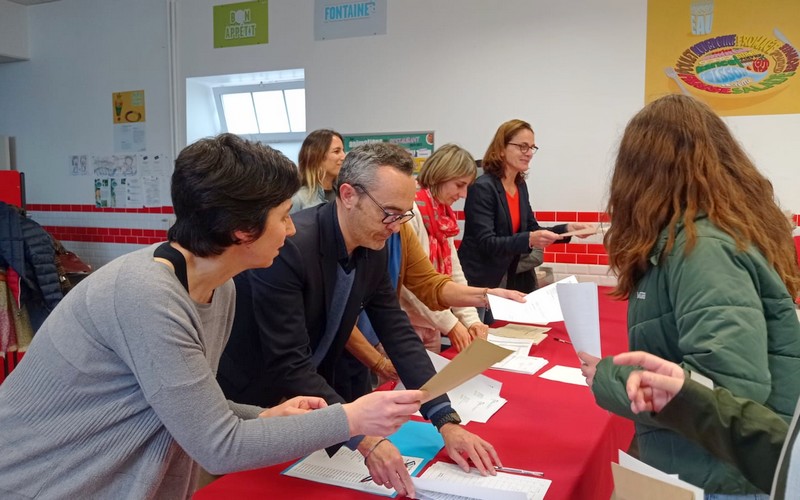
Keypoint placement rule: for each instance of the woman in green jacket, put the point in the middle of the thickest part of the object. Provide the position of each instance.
(705, 257)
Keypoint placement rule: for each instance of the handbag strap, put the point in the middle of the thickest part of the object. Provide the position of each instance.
(178, 261)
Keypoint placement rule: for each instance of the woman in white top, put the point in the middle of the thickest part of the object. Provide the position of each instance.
(443, 180)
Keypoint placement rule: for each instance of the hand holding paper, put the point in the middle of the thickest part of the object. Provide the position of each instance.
(477, 357)
(586, 231)
(540, 306)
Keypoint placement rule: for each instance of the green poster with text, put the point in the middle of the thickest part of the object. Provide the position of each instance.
(237, 24)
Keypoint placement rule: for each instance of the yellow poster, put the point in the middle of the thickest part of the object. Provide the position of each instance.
(738, 56)
(128, 106)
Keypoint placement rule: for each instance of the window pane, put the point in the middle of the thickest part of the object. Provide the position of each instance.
(296, 104)
(239, 113)
(271, 112)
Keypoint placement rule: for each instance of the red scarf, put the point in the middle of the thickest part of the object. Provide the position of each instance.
(440, 223)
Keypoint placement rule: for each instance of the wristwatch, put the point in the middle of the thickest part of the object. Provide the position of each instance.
(445, 417)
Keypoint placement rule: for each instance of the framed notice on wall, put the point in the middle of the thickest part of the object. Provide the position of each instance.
(342, 19)
(237, 24)
(420, 144)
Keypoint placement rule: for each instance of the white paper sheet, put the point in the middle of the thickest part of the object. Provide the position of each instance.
(565, 374)
(449, 479)
(635, 465)
(540, 306)
(581, 312)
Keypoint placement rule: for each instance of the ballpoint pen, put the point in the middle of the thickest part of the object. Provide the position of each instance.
(562, 340)
(409, 465)
(519, 471)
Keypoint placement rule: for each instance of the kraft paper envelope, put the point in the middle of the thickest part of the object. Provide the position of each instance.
(477, 357)
(527, 332)
(630, 485)
(580, 232)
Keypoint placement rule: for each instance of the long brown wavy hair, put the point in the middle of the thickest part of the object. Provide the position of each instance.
(678, 159)
(312, 154)
(494, 160)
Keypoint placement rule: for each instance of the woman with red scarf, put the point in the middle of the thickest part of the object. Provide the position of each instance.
(444, 179)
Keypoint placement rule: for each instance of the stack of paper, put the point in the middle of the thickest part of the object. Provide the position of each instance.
(519, 361)
(515, 331)
(447, 481)
(474, 400)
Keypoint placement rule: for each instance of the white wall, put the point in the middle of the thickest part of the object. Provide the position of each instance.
(573, 69)
(461, 68)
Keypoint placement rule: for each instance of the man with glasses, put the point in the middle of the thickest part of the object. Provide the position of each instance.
(294, 318)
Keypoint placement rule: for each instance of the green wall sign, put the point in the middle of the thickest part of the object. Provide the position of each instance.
(237, 24)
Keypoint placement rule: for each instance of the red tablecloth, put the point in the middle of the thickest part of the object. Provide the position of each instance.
(545, 426)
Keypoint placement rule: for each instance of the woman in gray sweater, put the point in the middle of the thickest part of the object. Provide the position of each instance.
(117, 397)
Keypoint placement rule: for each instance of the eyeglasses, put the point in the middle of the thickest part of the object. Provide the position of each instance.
(524, 148)
(389, 218)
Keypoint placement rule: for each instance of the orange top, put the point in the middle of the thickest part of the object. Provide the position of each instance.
(513, 210)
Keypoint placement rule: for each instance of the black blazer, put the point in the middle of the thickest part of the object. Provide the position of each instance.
(281, 314)
(489, 250)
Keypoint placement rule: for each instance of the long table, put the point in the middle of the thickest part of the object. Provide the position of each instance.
(546, 426)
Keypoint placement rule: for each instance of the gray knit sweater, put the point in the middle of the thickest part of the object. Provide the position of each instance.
(117, 395)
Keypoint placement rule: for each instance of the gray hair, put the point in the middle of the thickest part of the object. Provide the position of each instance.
(361, 163)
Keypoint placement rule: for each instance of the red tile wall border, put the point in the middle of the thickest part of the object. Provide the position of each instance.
(107, 234)
(45, 207)
(560, 216)
(568, 253)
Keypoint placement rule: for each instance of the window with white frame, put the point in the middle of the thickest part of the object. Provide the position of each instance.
(270, 112)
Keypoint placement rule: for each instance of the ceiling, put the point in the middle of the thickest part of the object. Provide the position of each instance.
(5, 59)
(31, 2)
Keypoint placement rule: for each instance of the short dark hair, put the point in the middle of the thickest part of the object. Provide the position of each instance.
(224, 184)
(361, 163)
